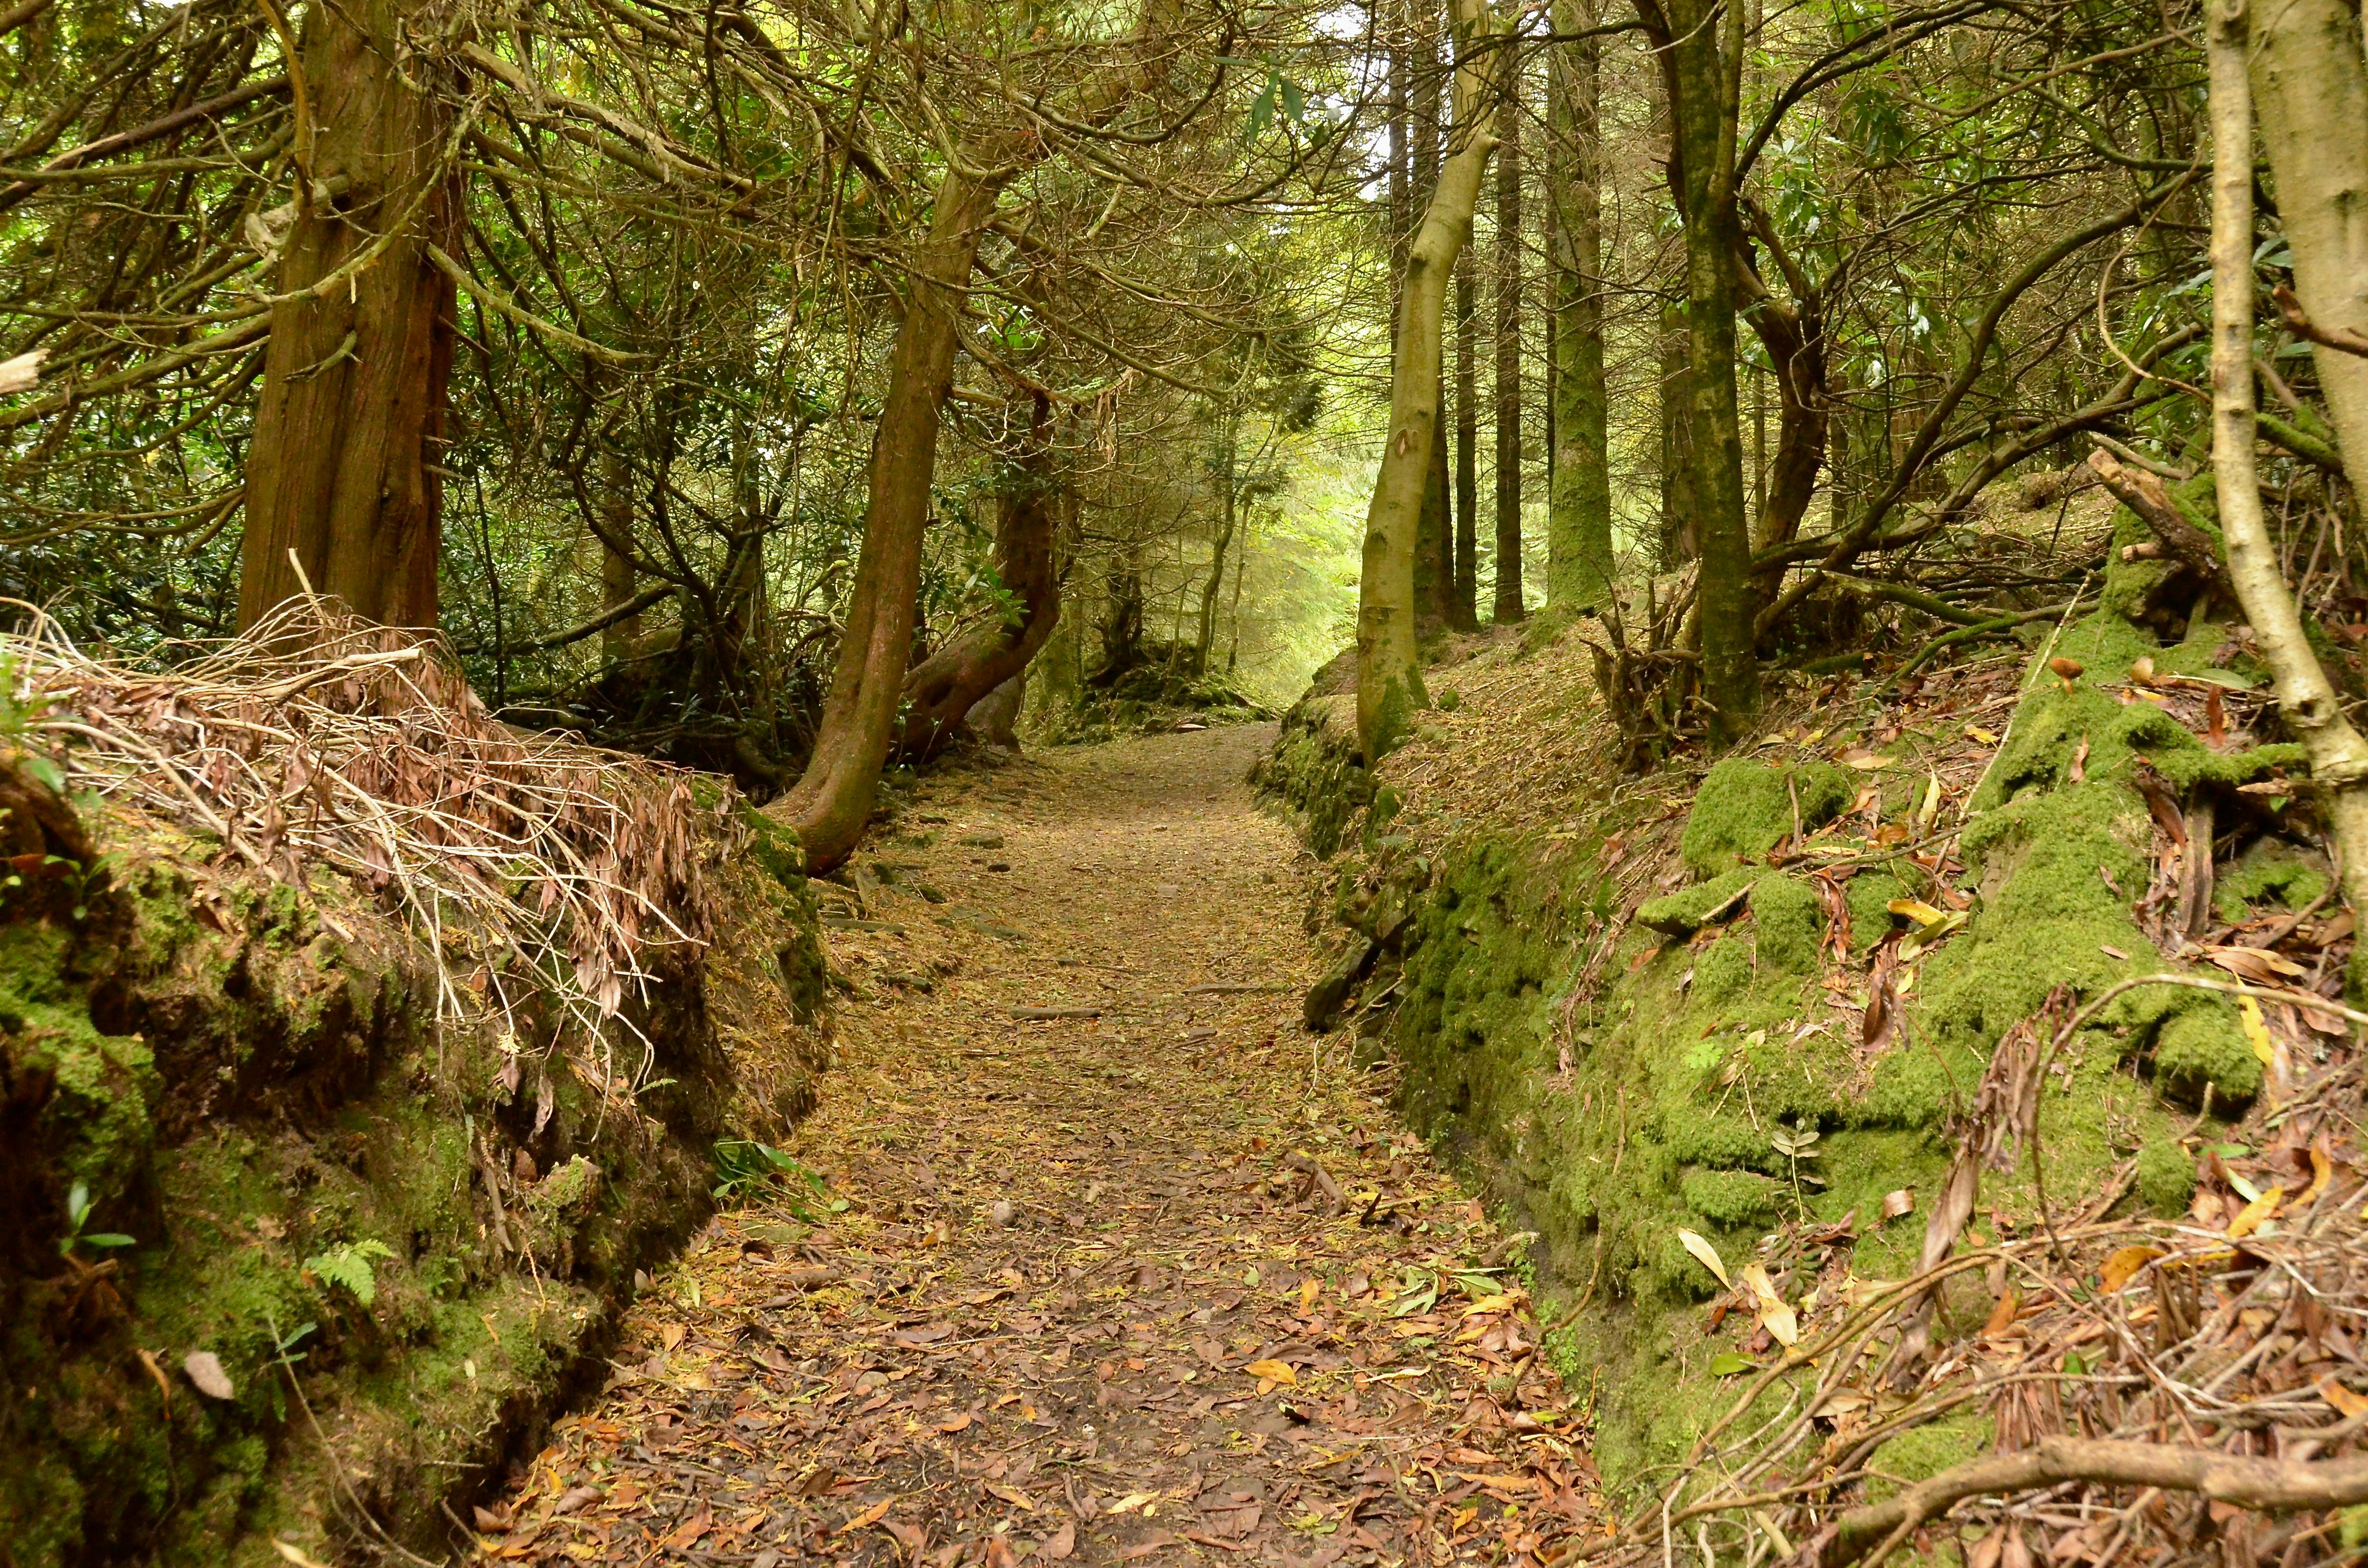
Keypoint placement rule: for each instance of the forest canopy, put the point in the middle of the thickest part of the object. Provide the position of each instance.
(765, 386)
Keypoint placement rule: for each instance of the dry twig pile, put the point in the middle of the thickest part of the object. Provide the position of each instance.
(541, 870)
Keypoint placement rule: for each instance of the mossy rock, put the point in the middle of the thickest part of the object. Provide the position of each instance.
(1744, 808)
(1733, 1200)
(2166, 1178)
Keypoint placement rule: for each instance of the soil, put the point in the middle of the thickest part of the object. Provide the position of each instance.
(1165, 1283)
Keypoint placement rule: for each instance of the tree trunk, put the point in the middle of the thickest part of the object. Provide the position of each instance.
(2306, 699)
(1229, 488)
(832, 800)
(1508, 606)
(349, 427)
(1389, 679)
(1680, 530)
(1579, 527)
(618, 583)
(1467, 441)
(1701, 59)
(941, 690)
(1434, 563)
(2313, 82)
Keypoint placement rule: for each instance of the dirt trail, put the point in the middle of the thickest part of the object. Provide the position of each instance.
(1089, 1297)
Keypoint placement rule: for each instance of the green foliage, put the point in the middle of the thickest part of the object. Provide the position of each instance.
(746, 1170)
(349, 1266)
(78, 1207)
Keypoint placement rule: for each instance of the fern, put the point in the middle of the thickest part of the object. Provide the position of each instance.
(348, 1264)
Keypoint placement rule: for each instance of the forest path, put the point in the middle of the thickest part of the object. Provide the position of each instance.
(1084, 1301)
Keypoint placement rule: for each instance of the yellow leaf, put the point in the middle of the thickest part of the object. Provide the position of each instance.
(2257, 1031)
(2322, 1171)
(2257, 1213)
(1706, 1254)
(2123, 1266)
(872, 1516)
(1130, 1503)
(1774, 1316)
(1915, 909)
(297, 1554)
(1307, 1289)
(2343, 1398)
(1273, 1371)
(1867, 764)
(1930, 811)
(1975, 734)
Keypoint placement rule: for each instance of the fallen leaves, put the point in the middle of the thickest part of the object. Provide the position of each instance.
(1706, 1254)
(1064, 1386)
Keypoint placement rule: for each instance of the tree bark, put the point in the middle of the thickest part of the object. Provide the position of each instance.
(1701, 48)
(1578, 525)
(1680, 531)
(1229, 486)
(618, 584)
(1389, 679)
(1434, 569)
(1509, 607)
(341, 477)
(832, 799)
(2312, 84)
(942, 689)
(1467, 441)
(2306, 699)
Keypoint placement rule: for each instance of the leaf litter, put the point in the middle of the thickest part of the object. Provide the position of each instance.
(1141, 1275)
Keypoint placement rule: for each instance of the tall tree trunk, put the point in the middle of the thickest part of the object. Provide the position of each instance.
(1579, 527)
(1702, 47)
(1229, 491)
(942, 689)
(618, 579)
(1680, 531)
(1389, 679)
(1467, 441)
(2306, 699)
(1434, 565)
(1509, 606)
(341, 477)
(2313, 82)
(832, 800)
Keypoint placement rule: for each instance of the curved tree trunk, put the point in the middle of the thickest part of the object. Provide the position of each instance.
(941, 690)
(349, 427)
(1389, 679)
(832, 800)
(2307, 701)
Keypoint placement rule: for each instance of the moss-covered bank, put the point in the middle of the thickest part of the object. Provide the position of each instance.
(1618, 1063)
(238, 1152)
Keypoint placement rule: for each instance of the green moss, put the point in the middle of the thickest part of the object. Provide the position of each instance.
(1683, 913)
(774, 846)
(1732, 1198)
(1922, 1452)
(1744, 808)
(2204, 1043)
(2166, 1178)
(1788, 921)
(1870, 894)
(2268, 870)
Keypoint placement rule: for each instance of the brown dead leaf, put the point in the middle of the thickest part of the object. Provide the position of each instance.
(2001, 1316)
(864, 1521)
(2123, 1266)
(1898, 1201)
